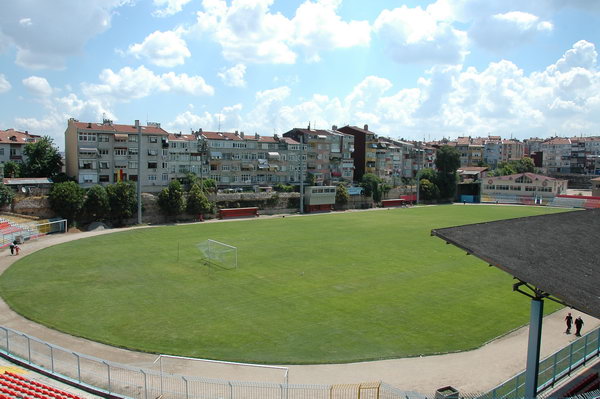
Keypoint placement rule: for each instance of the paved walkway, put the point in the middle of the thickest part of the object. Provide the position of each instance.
(471, 372)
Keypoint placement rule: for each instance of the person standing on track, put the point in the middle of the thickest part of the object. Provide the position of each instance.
(569, 321)
(578, 325)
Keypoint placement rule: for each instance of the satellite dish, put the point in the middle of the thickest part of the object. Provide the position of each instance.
(23, 190)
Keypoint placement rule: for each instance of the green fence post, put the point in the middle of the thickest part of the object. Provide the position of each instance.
(570, 358)
(585, 342)
(554, 369)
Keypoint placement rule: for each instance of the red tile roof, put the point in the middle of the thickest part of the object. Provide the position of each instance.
(116, 128)
(289, 140)
(557, 141)
(182, 137)
(19, 137)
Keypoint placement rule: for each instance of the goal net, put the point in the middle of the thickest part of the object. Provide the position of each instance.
(222, 370)
(218, 254)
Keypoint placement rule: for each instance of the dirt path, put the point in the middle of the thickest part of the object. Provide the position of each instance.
(473, 371)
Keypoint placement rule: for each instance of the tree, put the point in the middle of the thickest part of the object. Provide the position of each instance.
(66, 199)
(96, 206)
(447, 162)
(12, 169)
(447, 159)
(43, 159)
(197, 202)
(171, 200)
(208, 185)
(372, 185)
(122, 199)
(341, 195)
(6, 195)
(428, 190)
(525, 165)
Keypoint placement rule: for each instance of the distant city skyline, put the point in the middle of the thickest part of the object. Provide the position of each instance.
(416, 70)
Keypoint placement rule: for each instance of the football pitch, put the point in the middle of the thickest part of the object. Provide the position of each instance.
(325, 288)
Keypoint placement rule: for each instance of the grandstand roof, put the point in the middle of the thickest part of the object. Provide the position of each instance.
(556, 253)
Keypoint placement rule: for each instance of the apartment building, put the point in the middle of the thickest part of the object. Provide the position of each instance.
(512, 150)
(187, 154)
(492, 150)
(319, 144)
(12, 143)
(365, 149)
(237, 160)
(104, 153)
(557, 155)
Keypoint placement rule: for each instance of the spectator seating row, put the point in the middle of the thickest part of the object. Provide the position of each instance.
(13, 386)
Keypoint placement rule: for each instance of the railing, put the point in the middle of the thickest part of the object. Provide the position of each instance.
(551, 369)
(132, 382)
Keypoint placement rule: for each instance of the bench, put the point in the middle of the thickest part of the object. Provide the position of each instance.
(394, 202)
(237, 212)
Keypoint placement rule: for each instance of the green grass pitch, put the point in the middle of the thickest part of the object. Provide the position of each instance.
(319, 289)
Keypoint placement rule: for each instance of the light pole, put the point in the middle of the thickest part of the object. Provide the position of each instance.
(139, 177)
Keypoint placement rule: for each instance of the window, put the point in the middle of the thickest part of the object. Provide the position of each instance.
(133, 138)
(13, 152)
(83, 136)
(103, 138)
(132, 177)
(165, 176)
(225, 167)
(152, 152)
(103, 178)
(104, 165)
(132, 151)
(183, 169)
(132, 164)
(152, 165)
(120, 151)
(152, 139)
(165, 165)
(213, 167)
(103, 151)
(152, 177)
(245, 178)
(83, 164)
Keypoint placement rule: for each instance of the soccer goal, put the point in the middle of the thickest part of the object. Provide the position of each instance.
(221, 370)
(219, 254)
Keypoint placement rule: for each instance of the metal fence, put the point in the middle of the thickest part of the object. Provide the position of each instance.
(551, 369)
(127, 381)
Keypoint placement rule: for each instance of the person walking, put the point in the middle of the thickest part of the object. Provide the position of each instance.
(578, 325)
(569, 321)
(12, 248)
(17, 249)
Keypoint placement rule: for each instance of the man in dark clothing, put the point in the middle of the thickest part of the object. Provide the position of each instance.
(569, 321)
(12, 248)
(578, 325)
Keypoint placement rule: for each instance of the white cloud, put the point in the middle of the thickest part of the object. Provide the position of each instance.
(501, 31)
(415, 35)
(318, 28)
(4, 84)
(128, 84)
(170, 7)
(43, 32)
(37, 86)
(248, 31)
(234, 76)
(447, 101)
(165, 49)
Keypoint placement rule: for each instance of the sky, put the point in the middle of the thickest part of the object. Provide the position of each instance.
(416, 70)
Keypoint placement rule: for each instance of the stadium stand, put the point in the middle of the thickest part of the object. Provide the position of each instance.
(17, 386)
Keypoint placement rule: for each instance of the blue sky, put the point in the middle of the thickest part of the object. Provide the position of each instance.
(413, 69)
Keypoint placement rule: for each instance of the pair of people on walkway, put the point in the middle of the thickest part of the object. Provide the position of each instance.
(578, 324)
(14, 247)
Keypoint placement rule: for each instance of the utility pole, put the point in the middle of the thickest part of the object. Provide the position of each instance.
(301, 173)
(139, 177)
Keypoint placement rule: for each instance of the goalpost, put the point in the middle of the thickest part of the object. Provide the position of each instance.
(219, 254)
(221, 370)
